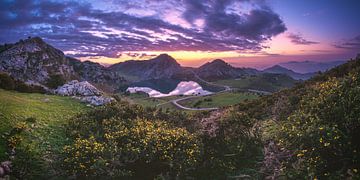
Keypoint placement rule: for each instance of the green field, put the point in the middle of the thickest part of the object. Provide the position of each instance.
(146, 101)
(265, 82)
(44, 136)
(218, 100)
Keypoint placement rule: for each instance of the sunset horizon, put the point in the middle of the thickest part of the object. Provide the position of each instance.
(255, 34)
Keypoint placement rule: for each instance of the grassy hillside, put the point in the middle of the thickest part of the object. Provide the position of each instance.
(218, 100)
(40, 118)
(310, 131)
(263, 82)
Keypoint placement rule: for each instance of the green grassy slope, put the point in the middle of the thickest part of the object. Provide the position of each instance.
(146, 101)
(45, 137)
(218, 100)
(264, 82)
(316, 123)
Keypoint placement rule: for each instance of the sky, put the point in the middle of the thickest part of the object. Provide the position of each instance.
(248, 33)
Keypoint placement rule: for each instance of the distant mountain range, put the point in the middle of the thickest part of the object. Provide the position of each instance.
(34, 61)
(310, 66)
(277, 69)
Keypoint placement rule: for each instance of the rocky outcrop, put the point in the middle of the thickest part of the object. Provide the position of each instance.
(5, 168)
(34, 60)
(95, 100)
(76, 88)
(84, 91)
(96, 73)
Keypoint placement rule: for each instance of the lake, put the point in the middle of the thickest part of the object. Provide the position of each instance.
(182, 88)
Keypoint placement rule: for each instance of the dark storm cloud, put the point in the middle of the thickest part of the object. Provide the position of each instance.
(78, 27)
(298, 39)
(351, 44)
(259, 24)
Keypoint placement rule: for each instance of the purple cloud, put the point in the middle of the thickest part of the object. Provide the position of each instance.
(298, 39)
(351, 44)
(79, 27)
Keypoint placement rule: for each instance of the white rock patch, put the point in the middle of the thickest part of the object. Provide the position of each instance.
(84, 91)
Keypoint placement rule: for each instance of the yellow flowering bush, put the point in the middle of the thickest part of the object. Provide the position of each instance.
(84, 157)
(323, 133)
(129, 143)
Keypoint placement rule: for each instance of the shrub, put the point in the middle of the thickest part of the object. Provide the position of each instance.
(6, 82)
(55, 81)
(233, 151)
(9, 83)
(125, 140)
(323, 133)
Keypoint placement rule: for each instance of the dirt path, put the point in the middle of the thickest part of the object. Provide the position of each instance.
(226, 88)
(175, 102)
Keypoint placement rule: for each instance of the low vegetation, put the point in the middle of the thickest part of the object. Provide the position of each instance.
(218, 100)
(9, 83)
(264, 82)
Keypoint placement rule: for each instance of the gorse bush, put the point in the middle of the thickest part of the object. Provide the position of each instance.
(119, 142)
(128, 141)
(324, 132)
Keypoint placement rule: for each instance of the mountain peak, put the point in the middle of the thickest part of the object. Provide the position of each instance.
(164, 57)
(218, 61)
(277, 69)
(32, 40)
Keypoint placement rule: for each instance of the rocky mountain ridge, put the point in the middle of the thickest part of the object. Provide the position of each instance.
(34, 61)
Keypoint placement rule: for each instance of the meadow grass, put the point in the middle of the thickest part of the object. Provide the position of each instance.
(218, 100)
(46, 136)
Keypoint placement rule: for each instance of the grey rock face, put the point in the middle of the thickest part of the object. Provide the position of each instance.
(95, 100)
(33, 59)
(76, 88)
(83, 91)
(96, 73)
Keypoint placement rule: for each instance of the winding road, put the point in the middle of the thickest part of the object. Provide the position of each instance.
(226, 88)
(176, 101)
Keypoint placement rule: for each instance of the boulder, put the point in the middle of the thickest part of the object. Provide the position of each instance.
(5, 168)
(96, 100)
(76, 88)
(83, 91)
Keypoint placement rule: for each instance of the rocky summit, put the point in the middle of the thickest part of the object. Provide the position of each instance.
(34, 60)
(162, 66)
